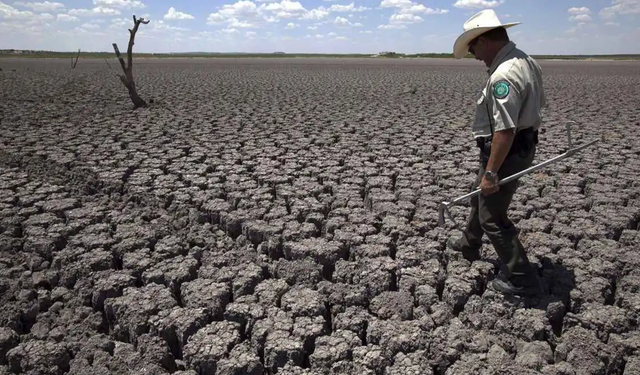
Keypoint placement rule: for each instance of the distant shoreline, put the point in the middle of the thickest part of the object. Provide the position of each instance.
(50, 54)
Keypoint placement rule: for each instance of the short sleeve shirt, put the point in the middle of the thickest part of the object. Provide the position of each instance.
(513, 96)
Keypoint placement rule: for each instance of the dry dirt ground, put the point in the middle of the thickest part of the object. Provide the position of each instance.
(280, 216)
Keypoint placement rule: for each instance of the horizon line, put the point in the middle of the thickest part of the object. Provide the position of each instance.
(6, 51)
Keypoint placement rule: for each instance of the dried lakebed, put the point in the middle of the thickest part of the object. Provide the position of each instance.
(280, 217)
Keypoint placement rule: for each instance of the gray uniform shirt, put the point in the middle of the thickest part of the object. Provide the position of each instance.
(513, 95)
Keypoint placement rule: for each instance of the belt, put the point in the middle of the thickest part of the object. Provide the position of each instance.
(521, 143)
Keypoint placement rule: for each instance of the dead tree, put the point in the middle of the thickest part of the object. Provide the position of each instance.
(73, 64)
(127, 78)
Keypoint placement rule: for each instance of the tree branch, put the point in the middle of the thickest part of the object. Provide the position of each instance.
(73, 64)
(115, 47)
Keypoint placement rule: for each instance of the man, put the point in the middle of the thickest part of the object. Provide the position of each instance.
(505, 128)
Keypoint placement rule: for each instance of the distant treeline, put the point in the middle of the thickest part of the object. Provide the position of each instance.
(70, 54)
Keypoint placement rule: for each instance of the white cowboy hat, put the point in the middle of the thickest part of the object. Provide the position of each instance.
(479, 23)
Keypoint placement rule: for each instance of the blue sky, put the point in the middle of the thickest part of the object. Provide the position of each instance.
(325, 26)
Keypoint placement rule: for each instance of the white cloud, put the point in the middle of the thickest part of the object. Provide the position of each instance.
(581, 10)
(406, 13)
(66, 18)
(624, 7)
(580, 18)
(395, 3)
(233, 23)
(316, 14)
(40, 7)
(9, 13)
(579, 14)
(105, 11)
(160, 26)
(343, 22)
(291, 25)
(405, 18)
(346, 8)
(286, 9)
(336, 37)
(172, 14)
(419, 8)
(97, 11)
(392, 27)
(243, 9)
(471, 4)
(410, 7)
(215, 18)
(121, 4)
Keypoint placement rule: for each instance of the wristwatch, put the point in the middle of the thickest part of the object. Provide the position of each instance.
(491, 176)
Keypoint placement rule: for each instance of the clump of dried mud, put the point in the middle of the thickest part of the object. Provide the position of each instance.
(266, 217)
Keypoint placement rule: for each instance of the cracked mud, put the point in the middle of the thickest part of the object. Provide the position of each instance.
(280, 217)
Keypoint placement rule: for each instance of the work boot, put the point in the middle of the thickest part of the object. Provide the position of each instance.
(507, 286)
(468, 254)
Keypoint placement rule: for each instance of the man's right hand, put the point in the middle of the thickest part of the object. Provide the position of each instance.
(488, 186)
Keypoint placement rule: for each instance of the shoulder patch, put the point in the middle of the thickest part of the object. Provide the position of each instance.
(501, 89)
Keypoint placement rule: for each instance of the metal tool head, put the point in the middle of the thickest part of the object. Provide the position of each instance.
(443, 210)
(570, 144)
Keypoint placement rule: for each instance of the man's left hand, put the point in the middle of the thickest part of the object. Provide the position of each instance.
(488, 186)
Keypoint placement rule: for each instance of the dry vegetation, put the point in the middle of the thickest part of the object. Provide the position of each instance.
(280, 216)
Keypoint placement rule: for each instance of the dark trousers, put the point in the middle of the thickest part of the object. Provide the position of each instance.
(489, 216)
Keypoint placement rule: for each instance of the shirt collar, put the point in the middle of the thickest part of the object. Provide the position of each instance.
(504, 51)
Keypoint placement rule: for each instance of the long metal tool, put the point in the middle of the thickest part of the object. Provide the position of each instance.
(444, 206)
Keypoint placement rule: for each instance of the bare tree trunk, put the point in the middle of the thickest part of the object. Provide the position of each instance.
(127, 78)
(73, 64)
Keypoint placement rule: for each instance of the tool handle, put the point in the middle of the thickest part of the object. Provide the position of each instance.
(528, 170)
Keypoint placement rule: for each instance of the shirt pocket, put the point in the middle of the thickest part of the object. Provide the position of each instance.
(482, 97)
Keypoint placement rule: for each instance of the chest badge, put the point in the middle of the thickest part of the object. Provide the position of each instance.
(501, 89)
